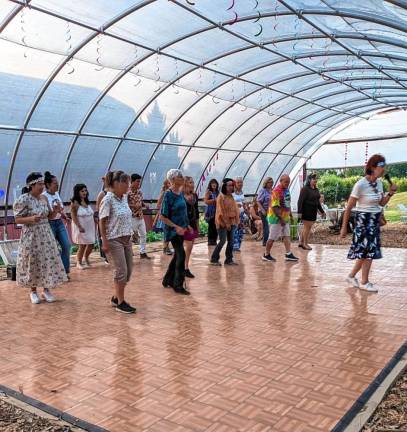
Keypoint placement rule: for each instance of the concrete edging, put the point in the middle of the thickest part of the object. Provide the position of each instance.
(367, 403)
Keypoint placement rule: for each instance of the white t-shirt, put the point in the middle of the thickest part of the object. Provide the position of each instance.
(53, 200)
(368, 196)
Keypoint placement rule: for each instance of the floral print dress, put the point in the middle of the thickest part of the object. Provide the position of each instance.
(39, 263)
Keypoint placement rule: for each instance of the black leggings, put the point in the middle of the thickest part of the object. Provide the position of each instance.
(175, 274)
(212, 231)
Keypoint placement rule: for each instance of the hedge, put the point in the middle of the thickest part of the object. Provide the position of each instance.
(337, 189)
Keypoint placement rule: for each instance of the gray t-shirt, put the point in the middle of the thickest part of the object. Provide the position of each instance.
(368, 196)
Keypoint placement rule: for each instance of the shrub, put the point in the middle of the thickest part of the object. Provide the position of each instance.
(337, 189)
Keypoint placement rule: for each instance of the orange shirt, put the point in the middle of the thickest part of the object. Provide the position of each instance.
(227, 211)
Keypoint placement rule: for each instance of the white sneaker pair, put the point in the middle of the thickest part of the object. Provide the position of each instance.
(48, 297)
(366, 287)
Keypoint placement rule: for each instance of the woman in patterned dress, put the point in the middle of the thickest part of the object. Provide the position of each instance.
(368, 199)
(39, 263)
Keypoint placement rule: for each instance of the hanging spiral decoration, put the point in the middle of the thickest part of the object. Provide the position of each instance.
(256, 21)
(157, 73)
(68, 41)
(98, 54)
(23, 32)
(235, 15)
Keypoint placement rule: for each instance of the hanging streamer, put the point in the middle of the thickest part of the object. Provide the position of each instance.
(346, 156)
(367, 152)
(98, 54)
(157, 73)
(23, 32)
(175, 85)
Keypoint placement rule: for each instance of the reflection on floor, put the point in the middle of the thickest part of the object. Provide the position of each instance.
(256, 347)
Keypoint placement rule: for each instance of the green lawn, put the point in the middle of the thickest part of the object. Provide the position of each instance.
(392, 212)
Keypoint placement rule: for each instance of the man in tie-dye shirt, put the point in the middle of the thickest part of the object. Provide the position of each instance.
(279, 217)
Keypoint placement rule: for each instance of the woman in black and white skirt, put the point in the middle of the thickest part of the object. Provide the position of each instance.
(368, 199)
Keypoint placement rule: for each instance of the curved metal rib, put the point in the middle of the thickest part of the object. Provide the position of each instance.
(48, 83)
(370, 105)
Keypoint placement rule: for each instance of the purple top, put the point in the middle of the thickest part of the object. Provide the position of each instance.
(264, 198)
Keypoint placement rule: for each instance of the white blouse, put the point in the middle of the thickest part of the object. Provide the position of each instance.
(119, 216)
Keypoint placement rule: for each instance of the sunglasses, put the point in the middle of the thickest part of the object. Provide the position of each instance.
(374, 187)
(381, 164)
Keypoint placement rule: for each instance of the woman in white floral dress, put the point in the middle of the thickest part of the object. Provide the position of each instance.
(39, 263)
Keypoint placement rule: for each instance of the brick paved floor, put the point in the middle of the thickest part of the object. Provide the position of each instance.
(258, 347)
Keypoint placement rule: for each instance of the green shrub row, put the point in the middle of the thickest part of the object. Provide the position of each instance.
(337, 189)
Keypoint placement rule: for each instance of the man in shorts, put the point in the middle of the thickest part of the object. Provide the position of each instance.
(279, 217)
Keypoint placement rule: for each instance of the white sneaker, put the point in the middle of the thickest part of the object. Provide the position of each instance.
(34, 298)
(48, 297)
(352, 281)
(368, 287)
(80, 266)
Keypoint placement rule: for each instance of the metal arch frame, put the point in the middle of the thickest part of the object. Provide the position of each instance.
(51, 78)
(329, 127)
(301, 132)
(387, 23)
(295, 121)
(255, 45)
(266, 106)
(16, 10)
(243, 149)
(333, 38)
(112, 137)
(230, 106)
(96, 103)
(313, 138)
(231, 78)
(321, 120)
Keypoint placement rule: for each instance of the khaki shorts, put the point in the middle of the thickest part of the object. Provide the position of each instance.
(277, 230)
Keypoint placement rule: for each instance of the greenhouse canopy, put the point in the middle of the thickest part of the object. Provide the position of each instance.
(217, 88)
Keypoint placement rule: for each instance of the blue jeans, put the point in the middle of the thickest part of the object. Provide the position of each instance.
(224, 235)
(61, 236)
(265, 228)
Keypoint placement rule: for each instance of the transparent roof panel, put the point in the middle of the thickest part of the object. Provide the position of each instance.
(81, 167)
(36, 145)
(131, 156)
(152, 85)
(163, 159)
(93, 12)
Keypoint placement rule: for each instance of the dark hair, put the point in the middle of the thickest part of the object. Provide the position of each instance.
(76, 194)
(31, 177)
(372, 163)
(310, 177)
(225, 181)
(213, 181)
(116, 176)
(135, 177)
(48, 177)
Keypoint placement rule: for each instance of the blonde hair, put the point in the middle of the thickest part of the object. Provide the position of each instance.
(186, 180)
(266, 180)
(165, 186)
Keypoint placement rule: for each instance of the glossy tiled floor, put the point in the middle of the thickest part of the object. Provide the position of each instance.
(259, 347)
